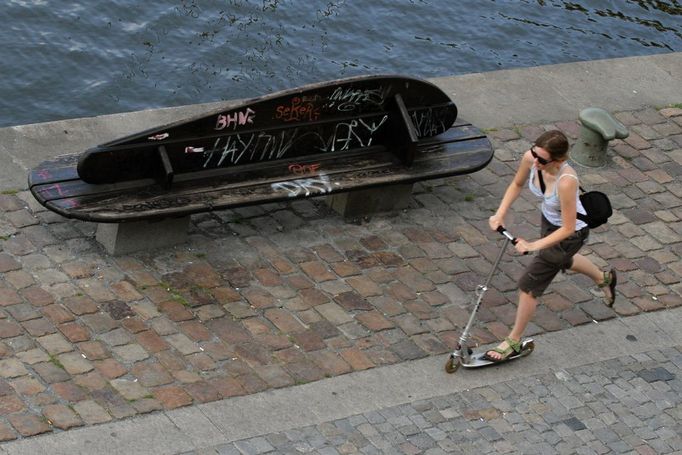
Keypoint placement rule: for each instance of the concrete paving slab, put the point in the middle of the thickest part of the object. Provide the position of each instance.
(196, 426)
(605, 340)
(668, 62)
(624, 82)
(668, 325)
(154, 434)
(512, 97)
(505, 98)
(270, 410)
(642, 331)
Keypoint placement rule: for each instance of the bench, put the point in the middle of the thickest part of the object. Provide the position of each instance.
(347, 139)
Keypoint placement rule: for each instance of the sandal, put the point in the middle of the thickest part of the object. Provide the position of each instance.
(610, 280)
(513, 346)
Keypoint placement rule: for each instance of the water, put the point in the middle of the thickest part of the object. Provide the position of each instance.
(64, 59)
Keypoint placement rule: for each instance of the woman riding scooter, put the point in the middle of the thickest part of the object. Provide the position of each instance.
(545, 166)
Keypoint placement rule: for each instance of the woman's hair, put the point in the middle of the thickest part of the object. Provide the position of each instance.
(555, 142)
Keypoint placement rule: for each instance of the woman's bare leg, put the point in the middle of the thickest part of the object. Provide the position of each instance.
(583, 265)
(524, 313)
(528, 303)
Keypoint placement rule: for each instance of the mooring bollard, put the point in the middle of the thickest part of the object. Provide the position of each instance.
(597, 128)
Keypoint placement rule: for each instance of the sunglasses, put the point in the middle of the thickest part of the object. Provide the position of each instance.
(541, 160)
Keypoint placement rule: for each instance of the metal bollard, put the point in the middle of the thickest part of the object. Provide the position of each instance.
(598, 127)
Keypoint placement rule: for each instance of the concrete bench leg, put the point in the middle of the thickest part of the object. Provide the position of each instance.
(125, 238)
(360, 203)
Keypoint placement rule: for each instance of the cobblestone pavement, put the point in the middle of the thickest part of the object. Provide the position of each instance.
(628, 405)
(283, 294)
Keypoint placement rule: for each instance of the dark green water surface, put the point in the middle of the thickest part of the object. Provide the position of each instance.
(63, 59)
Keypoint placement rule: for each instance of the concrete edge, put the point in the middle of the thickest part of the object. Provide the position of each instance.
(229, 420)
(553, 93)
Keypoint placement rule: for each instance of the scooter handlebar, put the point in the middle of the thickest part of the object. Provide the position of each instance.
(506, 233)
(511, 238)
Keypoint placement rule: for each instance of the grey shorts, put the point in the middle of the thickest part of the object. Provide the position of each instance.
(549, 261)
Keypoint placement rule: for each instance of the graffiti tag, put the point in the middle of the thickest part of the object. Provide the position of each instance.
(317, 185)
(261, 146)
(300, 169)
(347, 99)
(235, 119)
(300, 109)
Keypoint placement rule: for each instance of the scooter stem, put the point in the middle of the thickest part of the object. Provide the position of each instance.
(483, 288)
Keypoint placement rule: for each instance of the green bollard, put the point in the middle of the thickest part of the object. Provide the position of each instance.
(597, 128)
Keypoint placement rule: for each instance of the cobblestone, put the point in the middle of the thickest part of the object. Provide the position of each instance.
(495, 423)
(317, 297)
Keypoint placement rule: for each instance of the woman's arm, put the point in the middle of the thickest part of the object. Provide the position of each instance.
(513, 191)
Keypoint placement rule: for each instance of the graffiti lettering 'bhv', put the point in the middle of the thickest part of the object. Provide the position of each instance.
(235, 119)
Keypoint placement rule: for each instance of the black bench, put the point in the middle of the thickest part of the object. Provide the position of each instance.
(342, 139)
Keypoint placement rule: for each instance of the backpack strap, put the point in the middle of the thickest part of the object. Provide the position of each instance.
(542, 182)
(580, 216)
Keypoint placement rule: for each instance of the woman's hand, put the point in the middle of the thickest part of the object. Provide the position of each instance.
(523, 246)
(495, 221)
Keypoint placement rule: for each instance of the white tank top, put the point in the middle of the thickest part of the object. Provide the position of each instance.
(551, 206)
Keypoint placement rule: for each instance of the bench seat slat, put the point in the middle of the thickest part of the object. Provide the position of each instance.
(243, 175)
(381, 168)
(57, 170)
(249, 173)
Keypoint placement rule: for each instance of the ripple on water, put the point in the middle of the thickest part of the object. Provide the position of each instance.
(77, 58)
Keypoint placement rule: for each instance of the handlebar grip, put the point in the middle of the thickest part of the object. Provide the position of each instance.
(511, 238)
(506, 233)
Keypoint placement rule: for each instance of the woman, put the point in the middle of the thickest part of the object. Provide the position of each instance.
(549, 177)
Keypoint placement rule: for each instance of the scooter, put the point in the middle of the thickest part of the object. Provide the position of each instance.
(464, 355)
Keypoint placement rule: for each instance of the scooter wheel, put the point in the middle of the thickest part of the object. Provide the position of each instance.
(452, 364)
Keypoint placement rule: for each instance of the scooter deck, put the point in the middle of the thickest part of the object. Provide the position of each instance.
(477, 360)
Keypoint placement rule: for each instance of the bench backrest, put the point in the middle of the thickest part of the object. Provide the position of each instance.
(332, 117)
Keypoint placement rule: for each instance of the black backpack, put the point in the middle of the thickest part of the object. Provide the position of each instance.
(596, 204)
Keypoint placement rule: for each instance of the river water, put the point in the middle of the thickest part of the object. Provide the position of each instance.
(63, 59)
